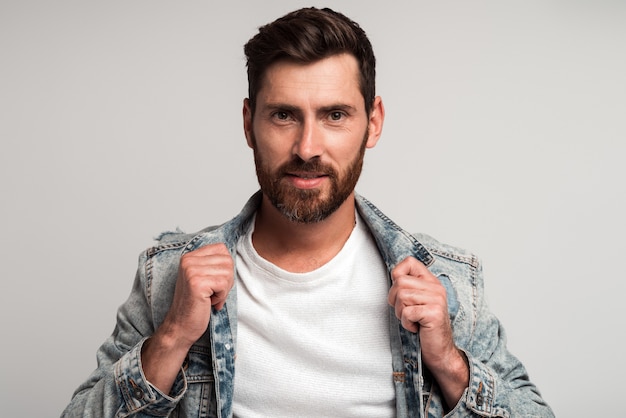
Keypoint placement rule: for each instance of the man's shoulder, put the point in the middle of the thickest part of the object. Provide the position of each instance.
(173, 240)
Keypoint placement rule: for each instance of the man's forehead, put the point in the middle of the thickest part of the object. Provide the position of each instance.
(336, 76)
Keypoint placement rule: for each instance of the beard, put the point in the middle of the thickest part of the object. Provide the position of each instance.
(307, 205)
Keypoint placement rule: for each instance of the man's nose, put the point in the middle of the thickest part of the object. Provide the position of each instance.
(310, 143)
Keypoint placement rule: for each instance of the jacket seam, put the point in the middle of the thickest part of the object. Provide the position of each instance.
(473, 275)
(165, 247)
(470, 260)
(148, 273)
(148, 267)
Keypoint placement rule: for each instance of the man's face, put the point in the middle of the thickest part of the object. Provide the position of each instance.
(309, 134)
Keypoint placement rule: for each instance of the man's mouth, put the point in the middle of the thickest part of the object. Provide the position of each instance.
(307, 175)
(306, 180)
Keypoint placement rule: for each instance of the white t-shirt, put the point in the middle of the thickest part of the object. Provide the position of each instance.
(314, 344)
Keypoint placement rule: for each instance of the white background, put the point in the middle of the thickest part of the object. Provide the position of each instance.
(505, 134)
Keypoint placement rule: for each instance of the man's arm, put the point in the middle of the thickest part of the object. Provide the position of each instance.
(137, 373)
(118, 387)
(205, 277)
(481, 378)
(420, 303)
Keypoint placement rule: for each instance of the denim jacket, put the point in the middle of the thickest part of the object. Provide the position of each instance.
(498, 387)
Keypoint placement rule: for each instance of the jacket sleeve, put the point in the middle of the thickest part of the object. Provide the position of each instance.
(499, 384)
(118, 387)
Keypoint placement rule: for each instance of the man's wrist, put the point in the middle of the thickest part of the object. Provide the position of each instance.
(453, 376)
(162, 356)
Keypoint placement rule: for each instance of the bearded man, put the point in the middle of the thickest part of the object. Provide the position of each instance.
(310, 302)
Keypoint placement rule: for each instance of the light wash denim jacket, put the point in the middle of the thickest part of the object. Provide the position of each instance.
(499, 385)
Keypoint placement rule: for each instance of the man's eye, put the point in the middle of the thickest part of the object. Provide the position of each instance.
(335, 116)
(281, 115)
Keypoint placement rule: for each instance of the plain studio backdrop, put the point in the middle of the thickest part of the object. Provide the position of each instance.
(505, 134)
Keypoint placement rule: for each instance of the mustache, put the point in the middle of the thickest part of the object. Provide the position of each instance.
(312, 166)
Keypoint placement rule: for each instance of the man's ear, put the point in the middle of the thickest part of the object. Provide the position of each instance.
(247, 122)
(376, 120)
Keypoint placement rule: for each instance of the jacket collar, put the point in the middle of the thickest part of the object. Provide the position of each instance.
(394, 243)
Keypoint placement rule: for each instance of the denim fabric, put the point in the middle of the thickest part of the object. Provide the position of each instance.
(499, 385)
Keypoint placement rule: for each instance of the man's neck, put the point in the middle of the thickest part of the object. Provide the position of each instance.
(300, 247)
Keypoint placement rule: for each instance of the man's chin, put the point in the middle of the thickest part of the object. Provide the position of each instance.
(305, 209)
(291, 193)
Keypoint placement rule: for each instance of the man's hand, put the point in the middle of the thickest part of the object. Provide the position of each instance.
(421, 305)
(205, 276)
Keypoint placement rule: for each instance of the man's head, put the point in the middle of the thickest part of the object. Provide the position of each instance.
(311, 112)
(305, 36)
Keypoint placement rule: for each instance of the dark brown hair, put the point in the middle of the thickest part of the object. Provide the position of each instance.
(305, 36)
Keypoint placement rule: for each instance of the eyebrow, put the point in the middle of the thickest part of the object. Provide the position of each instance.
(281, 106)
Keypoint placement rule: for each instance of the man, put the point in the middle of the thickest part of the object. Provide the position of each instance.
(310, 302)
